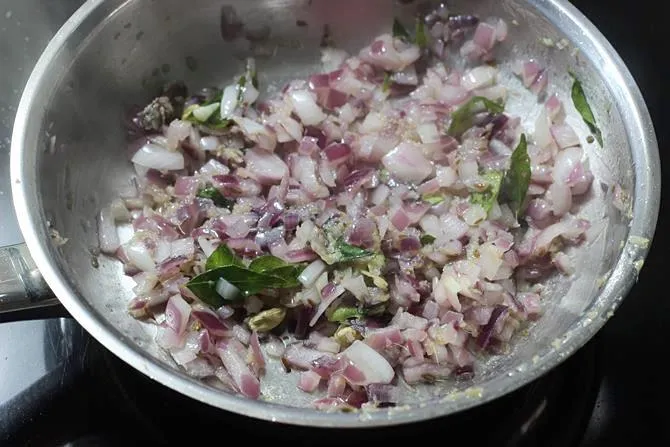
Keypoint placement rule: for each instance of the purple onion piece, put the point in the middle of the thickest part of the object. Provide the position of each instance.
(315, 132)
(291, 220)
(326, 365)
(484, 338)
(410, 244)
(358, 177)
(383, 395)
(499, 122)
(356, 398)
(302, 316)
(464, 373)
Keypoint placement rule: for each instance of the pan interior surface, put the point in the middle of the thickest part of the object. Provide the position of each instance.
(69, 160)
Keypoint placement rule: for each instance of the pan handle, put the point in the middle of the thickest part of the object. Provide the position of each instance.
(24, 295)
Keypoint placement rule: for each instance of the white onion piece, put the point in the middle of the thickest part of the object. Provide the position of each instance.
(375, 368)
(168, 338)
(490, 258)
(380, 194)
(390, 53)
(189, 351)
(177, 313)
(251, 94)
(446, 176)
(407, 163)
(206, 245)
(214, 167)
(144, 283)
(565, 163)
(501, 30)
(560, 197)
(332, 58)
(326, 301)
(306, 107)
(228, 101)
(452, 95)
(373, 122)
(347, 114)
(478, 77)
(292, 127)
(312, 272)
(226, 290)
(209, 143)
(406, 77)
(267, 167)
(564, 135)
(428, 133)
(107, 235)
(162, 250)
(493, 93)
(257, 132)
(138, 255)
(177, 132)
(327, 173)
(542, 134)
(563, 263)
(182, 247)
(474, 215)
(275, 347)
(203, 113)
(157, 157)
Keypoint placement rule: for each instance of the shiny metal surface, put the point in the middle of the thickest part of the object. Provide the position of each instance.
(22, 286)
(35, 356)
(110, 53)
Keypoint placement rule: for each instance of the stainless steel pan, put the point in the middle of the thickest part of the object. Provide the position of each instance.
(68, 160)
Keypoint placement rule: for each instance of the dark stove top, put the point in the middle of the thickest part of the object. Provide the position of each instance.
(109, 404)
(59, 387)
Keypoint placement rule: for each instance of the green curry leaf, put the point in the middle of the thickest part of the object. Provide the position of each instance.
(515, 183)
(489, 196)
(582, 106)
(462, 118)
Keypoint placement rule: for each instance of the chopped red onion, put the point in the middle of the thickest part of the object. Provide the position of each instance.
(298, 356)
(177, 313)
(425, 372)
(328, 167)
(168, 338)
(266, 167)
(211, 320)
(336, 385)
(306, 108)
(154, 156)
(309, 381)
(256, 359)
(372, 366)
(107, 235)
(485, 35)
(244, 379)
(406, 163)
(389, 54)
(337, 153)
(380, 339)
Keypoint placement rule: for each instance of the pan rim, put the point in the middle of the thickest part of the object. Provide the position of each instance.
(645, 212)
